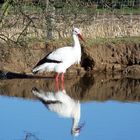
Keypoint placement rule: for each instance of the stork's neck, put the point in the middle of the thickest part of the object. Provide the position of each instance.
(75, 123)
(76, 41)
(76, 116)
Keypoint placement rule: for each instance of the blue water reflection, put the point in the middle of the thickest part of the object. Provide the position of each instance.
(24, 119)
(59, 102)
(107, 120)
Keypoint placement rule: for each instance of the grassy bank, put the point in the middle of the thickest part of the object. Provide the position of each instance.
(118, 40)
(89, 42)
(69, 42)
(97, 54)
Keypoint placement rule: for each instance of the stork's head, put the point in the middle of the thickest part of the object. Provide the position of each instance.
(76, 131)
(77, 32)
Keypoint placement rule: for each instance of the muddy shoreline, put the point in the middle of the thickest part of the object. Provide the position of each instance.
(107, 58)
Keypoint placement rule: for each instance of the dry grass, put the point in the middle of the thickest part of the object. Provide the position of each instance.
(23, 29)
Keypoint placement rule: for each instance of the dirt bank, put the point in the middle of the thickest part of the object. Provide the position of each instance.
(107, 57)
(111, 57)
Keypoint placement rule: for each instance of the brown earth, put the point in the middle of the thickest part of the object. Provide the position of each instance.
(23, 59)
(111, 57)
(107, 57)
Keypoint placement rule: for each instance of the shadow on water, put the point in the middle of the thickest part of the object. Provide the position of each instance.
(98, 87)
(13, 75)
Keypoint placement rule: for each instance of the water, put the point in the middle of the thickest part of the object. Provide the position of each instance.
(100, 106)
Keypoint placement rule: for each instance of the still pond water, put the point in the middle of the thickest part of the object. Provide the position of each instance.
(87, 108)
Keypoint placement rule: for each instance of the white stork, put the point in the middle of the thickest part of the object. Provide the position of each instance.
(62, 58)
(63, 105)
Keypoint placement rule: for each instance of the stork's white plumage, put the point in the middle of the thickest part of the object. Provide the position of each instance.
(62, 58)
(63, 105)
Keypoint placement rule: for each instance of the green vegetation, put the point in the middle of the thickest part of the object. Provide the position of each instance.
(91, 42)
(83, 6)
(118, 40)
(124, 11)
(27, 21)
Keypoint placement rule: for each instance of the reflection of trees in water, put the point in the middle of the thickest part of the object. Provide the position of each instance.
(89, 87)
(103, 88)
(82, 86)
(119, 89)
(131, 89)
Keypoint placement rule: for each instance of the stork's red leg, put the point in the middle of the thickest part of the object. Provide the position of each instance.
(56, 86)
(62, 81)
(62, 77)
(57, 77)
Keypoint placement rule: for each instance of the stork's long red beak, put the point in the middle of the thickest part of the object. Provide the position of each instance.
(80, 127)
(80, 36)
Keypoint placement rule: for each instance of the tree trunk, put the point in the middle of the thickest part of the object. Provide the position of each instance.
(50, 20)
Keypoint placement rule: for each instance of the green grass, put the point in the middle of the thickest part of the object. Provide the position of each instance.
(68, 9)
(32, 8)
(91, 42)
(124, 11)
(117, 41)
(26, 8)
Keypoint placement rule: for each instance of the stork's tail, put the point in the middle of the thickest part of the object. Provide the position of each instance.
(36, 92)
(40, 94)
(39, 68)
(47, 98)
(35, 70)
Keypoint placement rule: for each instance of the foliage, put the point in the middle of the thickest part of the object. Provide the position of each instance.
(23, 20)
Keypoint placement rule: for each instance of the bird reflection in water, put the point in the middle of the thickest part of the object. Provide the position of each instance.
(63, 105)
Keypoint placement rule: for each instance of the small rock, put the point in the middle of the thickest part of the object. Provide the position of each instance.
(133, 70)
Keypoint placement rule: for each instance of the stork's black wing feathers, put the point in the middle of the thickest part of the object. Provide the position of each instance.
(46, 60)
